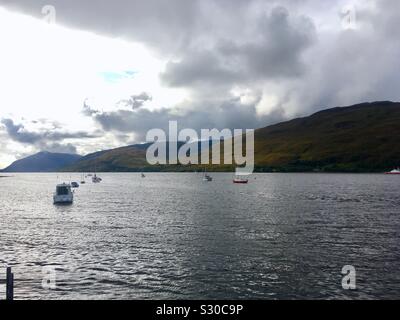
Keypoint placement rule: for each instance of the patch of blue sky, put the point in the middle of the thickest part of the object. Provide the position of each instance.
(112, 76)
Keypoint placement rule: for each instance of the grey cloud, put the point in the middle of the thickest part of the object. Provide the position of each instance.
(58, 148)
(44, 140)
(274, 52)
(136, 101)
(354, 65)
(164, 23)
(88, 110)
(257, 44)
(231, 114)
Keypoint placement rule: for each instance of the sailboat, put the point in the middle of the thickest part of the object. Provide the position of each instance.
(95, 178)
(83, 179)
(206, 176)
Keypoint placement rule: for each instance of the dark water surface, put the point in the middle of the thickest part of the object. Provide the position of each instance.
(174, 236)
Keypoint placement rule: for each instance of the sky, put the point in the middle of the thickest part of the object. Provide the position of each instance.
(79, 77)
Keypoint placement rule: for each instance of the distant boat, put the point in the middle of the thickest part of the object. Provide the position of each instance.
(206, 176)
(240, 180)
(83, 179)
(74, 184)
(96, 179)
(394, 171)
(63, 194)
(143, 176)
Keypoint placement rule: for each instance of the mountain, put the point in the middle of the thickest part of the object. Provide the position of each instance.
(363, 137)
(130, 158)
(42, 162)
(359, 138)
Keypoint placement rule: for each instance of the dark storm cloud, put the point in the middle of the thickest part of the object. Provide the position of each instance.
(162, 23)
(49, 140)
(355, 65)
(275, 52)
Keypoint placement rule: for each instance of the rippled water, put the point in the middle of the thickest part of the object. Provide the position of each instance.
(174, 236)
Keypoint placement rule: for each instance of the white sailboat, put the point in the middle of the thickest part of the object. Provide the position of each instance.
(95, 178)
(206, 176)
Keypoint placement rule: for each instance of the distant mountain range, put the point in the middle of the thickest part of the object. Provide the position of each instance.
(43, 162)
(359, 138)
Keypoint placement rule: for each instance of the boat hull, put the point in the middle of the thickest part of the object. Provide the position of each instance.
(240, 181)
(63, 199)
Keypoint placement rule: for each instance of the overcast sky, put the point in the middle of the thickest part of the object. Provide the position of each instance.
(105, 72)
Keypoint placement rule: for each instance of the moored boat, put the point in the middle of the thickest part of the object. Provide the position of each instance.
(206, 177)
(74, 184)
(63, 194)
(240, 180)
(394, 171)
(96, 179)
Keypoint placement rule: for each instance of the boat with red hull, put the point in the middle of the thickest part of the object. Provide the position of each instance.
(240, 180)
(395, 171)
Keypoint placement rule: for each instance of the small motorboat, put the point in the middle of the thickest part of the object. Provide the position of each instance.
(74, 184)
(394, 171)
(240, 180)
(96, 179)
(63, 194)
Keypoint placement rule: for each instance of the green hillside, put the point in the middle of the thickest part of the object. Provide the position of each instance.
(360, 138)
(364, 137)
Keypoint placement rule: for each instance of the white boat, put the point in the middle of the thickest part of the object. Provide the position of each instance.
(394, 171)
(63, 194)
(240, 180)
